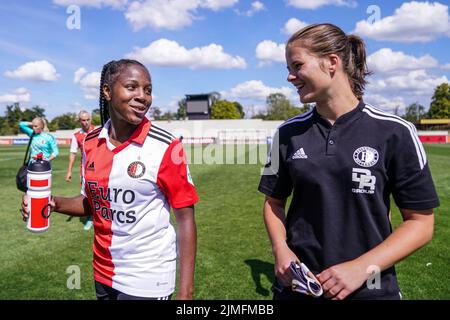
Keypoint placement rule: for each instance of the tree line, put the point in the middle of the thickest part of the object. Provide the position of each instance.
(9, 124)
(278, 107)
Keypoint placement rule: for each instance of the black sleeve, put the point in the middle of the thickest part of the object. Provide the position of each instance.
(411, 181)
(275, 179)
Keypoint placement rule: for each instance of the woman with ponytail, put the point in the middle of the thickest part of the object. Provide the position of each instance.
(133, 173)
(42, 141)
(342, 161)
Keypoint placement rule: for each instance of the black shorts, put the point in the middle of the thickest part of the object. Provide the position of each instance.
(105, 292)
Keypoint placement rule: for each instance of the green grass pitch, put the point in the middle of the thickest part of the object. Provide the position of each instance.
(234, 258)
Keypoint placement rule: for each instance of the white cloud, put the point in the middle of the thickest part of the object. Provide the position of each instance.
(160, 14)
(416, 82)
(314, 4)
(210, 4)
(172, 15)
(79, 74)
(386, 104)
(401, 79)
(412, 22)
(18, 95)
(293, 25)
(385, 60)
(216, 4)
(269, 51)
(35, 71)
(446, 66)
(256, 6)
(117, 4)
(156, 14)
(165, 52)
(89, 83)
(255, 89)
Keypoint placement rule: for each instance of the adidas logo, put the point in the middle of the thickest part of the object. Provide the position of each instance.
(91, 167)
(300, 154)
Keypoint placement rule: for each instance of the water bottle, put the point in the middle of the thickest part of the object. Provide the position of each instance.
(39, 181)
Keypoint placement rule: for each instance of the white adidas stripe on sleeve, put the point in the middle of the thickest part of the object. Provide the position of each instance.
(378, 114)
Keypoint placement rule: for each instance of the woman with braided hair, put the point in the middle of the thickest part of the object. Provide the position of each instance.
(133, 174)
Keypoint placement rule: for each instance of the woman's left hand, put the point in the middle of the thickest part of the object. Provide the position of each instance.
(342, 279)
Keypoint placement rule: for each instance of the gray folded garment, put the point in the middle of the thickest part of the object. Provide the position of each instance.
(303, 282)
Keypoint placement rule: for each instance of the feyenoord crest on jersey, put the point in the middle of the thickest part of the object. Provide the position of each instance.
(136, 169)
(366, 156)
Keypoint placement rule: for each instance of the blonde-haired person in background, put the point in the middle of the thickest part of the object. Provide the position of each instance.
(78, 137)
(342, 161)
(42, 140)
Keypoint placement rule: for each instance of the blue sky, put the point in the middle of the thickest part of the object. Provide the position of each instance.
(234, 47)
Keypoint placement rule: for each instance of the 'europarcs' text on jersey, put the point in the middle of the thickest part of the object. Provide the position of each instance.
(342, 176)
(130, 189)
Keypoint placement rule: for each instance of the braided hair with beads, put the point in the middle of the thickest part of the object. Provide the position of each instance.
(108, 76)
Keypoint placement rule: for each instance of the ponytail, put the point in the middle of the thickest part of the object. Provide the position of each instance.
(357, 68)
(45, 122)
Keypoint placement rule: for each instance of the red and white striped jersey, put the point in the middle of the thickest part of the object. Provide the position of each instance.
(130, 189)
(77, 142)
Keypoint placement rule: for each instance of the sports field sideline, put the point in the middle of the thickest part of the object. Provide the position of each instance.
(234, 258)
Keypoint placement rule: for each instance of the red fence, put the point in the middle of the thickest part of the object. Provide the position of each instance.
(434, 139)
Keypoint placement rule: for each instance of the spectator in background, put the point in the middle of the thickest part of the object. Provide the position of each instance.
(42, 140)
(84, 118)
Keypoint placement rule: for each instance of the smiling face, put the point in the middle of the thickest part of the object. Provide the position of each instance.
(130, 96)
(307, 73)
